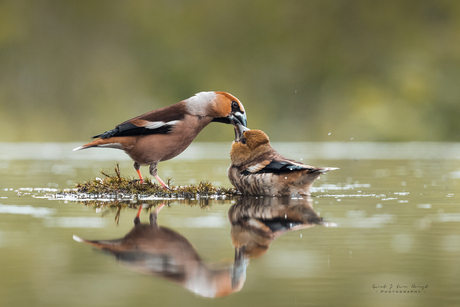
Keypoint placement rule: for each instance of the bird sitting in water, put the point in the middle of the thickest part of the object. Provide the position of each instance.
(258, 221)
(164, 133)
(258, 169)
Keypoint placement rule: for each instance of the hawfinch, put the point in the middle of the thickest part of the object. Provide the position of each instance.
(258, 221)
(159, 251)
(162, 134)
(257, 169)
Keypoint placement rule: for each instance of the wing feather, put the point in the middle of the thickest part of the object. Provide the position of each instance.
(159, 121)
(275, 165)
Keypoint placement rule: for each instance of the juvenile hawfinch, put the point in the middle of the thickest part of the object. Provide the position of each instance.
(159, 251)
(162, 134)
(258, 221)
(257, 169)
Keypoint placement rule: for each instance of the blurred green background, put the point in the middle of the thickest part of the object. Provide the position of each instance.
(323, 70)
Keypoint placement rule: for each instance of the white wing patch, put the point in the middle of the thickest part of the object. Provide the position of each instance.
(257, 167)
(156, 125)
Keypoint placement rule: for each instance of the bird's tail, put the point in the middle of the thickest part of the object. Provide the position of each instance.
(102, 244)
(323, 170)
(328, 224)
(78, 239)
(107, 143)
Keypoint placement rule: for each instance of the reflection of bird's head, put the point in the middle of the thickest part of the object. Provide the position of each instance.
(248, 145)
(254, 244)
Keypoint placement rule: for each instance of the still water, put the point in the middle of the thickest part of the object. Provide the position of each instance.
(383, 230)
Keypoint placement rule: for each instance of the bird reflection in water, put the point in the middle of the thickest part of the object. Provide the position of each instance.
(257, 221)
(160, 251)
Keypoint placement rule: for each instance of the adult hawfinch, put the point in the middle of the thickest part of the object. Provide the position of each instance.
(159, 251)
(162, 134)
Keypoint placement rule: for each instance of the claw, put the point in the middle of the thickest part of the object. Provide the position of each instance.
(162, 183)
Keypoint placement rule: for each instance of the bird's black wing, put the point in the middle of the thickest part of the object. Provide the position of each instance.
(130, 129)
(159, 121)
(278, 167)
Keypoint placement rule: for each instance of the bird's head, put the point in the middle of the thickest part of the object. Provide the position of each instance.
(248, 145)
(226, 108)
(220, 106)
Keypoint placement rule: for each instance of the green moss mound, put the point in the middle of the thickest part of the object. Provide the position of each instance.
(116, 186)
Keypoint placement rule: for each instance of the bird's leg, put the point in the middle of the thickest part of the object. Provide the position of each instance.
(140, 176)
(137, 167)
(153, 172)
(154, 215)
(137, 219)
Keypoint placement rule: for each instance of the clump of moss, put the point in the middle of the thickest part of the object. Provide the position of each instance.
(116, 186)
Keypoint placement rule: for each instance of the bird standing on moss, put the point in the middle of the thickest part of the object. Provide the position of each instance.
(164, 133)
(258, 169)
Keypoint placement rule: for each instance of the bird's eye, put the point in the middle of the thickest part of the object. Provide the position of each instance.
(243, 141)
(235, 106)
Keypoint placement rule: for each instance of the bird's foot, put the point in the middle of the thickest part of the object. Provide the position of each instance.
(162, 183)
(158, 209)
(140, 176)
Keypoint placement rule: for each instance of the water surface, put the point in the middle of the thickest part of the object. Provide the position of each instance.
(390, 232)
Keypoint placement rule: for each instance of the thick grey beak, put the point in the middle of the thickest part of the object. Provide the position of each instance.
(239, 132)
(239, 267)
(239, 118)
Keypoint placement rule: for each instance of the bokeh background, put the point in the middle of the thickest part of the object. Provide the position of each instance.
(322, 70)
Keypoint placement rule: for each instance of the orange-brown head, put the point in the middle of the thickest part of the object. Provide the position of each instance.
(248, 145)
(221, 106)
